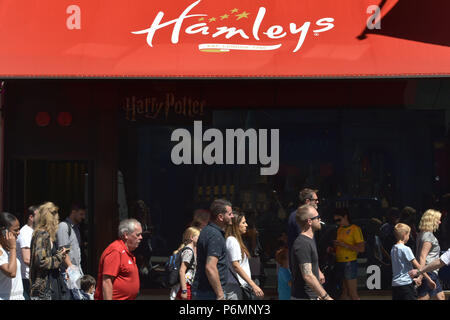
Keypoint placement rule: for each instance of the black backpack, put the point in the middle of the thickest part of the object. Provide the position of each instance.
(172, 267)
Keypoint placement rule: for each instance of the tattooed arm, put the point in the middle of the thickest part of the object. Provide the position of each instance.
(213, 276)
(312, 281)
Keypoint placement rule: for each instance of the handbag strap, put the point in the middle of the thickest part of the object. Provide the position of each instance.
(234, 275)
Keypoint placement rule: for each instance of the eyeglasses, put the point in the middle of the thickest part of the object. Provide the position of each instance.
(316, 217)
(315, 200)
(337, 220)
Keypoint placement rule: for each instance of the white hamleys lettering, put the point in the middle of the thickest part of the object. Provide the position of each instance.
(274, 32)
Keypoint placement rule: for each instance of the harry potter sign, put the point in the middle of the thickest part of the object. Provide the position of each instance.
(170, 108)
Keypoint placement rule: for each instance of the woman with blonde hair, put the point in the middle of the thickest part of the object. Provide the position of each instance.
(238, 255)
(428, 249)
(46, 258)
(188, 252)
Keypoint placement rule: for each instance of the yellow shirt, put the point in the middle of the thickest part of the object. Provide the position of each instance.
(350, 235)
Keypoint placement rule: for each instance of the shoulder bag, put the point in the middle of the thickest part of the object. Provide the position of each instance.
(247, 291)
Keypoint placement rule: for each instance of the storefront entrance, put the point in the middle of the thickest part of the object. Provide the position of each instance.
(63, 182)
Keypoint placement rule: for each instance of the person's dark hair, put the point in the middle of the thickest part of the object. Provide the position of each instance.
(342, 212)
(238, 210)
(77, 206)
(218, 206)
(408, 215)
(200, 216)
(305, 194)
(6, 220)
(86, 282)
(30, 212)
(393, 214)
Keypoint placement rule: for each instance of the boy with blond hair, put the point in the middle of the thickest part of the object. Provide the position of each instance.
(403, 260)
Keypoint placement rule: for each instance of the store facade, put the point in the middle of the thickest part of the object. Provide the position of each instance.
(110, 157)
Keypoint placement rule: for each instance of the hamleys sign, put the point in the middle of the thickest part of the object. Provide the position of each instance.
(225, 25)
(223, 39)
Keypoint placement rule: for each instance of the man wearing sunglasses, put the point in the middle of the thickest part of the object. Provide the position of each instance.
(306, 196)
(307, 279)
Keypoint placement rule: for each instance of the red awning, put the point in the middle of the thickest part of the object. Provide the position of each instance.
(236, 38)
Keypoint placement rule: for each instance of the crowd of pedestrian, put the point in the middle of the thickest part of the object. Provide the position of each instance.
(42, 260)
(392, 244)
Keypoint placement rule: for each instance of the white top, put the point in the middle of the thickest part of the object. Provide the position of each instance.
(235, 254)
(445, 258)
(187, 256)
(10, 288)
(24, 241)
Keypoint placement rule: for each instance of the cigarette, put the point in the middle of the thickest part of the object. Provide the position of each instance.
(321, 222)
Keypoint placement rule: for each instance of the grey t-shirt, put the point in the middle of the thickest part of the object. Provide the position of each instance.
(63, 239)
(304, 250)
(435, 248)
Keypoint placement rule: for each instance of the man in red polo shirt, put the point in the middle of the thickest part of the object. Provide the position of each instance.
(118, 275)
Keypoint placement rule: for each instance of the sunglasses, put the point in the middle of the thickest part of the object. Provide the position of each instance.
(316, 217)
(315, 200)
(337, 220)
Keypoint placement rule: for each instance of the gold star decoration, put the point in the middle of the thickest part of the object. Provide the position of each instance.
(212, 19)
(225, 16)
(201, 19)
(242, 15)
(234, 10)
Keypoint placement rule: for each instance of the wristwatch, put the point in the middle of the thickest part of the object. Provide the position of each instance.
(183, 291)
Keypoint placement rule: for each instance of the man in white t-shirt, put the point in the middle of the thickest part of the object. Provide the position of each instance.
(23, 248)
(438, 263)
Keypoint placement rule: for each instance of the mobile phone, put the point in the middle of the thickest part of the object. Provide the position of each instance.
(4, 233)
(67, 247)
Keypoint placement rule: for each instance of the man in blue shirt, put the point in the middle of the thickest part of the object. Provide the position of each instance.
(306, 196)
(212, 264)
